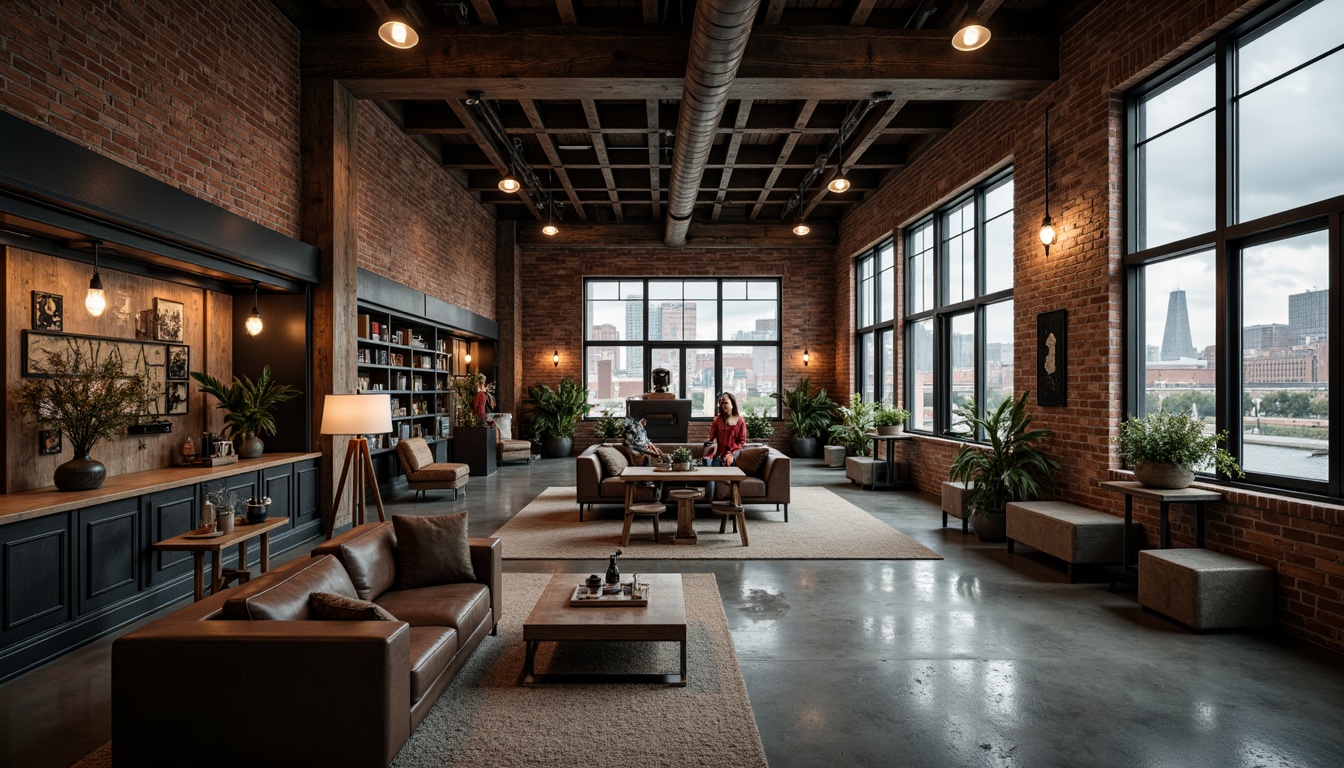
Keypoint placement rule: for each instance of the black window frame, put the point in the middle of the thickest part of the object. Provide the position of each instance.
(942, 312)
(1227, 240)
(878, 326)
(647, 345)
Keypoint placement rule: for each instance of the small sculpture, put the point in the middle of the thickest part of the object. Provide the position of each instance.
(614, 573)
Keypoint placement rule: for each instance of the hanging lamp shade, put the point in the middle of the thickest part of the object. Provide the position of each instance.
(95, 301)
(972, 35)
(398, 32)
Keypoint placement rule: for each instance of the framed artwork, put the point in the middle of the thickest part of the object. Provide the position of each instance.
(1052, 358)
(179, 362)
(48, 312)
(175, 398)
(49, 442)
(167, 319)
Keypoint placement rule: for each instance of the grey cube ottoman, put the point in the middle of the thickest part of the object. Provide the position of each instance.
(864, 470)
(1206, 590)
(1071, 533)
(956, 496)
(835, 455)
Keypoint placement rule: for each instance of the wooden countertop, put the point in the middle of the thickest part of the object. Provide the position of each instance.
(39, 502)
(1169, 495)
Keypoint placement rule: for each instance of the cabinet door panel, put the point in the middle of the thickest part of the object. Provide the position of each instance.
(171, 513)
(109, 553)
(306, 476)
(278, 484)
(35, 563)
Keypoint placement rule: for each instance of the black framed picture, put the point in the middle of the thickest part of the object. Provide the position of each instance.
(175, 398)
(167, 319)
(48, 312)
(179, 363)
(49, 442)
(1052, 358)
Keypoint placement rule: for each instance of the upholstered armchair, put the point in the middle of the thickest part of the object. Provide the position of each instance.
(425, 474)
(508, 448)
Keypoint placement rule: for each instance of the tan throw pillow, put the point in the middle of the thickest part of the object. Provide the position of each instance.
(328, 605)
(613, 461)
(432, 550)
(752, 460)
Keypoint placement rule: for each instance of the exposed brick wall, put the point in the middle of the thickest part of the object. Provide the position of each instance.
(417, 225)
(552, 308)
(202, 96)
(1116, 46)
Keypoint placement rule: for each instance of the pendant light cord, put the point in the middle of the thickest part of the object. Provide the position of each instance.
(1047, 159)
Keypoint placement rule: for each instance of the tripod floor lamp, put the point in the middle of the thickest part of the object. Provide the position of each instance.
(357, 415)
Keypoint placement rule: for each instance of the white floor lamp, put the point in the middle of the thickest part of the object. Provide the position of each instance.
(357, 415)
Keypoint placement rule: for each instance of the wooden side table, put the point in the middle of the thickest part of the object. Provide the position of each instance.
(1165, 497)
(240, 535)
(890, 440)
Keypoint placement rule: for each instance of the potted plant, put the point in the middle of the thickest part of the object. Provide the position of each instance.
(1012, 469)
(465, 389)
(249, 404)
(681, 459)
(809, 416)
(87, 402)
(607, 426)
(555, 414)
(890, 421)
(856, 421)
(1165, 448)
(758, 424)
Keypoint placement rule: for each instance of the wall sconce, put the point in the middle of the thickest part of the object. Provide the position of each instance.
(253, 323)
(807, 357)
(555, 358)
(95, 301)
(1047, 224)
(397, 31)
(972, 35)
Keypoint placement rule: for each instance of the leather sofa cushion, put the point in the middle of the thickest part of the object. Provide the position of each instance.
(432, 550)
(287, 599)
(432, 650)
(371, 561)
(341, 608)
(460, 606)
(752, 487)
(614, 488)
(613, 461)
(752, 460)
(443, 471)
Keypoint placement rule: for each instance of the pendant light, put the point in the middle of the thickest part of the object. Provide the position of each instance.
(839, 183)
(801, 229)
(972, 35)
(397, 31)
(253, 323)
(95, 301)
(550, 230)
(509, 183)
(1047, 224)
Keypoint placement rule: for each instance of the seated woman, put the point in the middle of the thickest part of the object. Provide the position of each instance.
(637, 439)
(727, 435)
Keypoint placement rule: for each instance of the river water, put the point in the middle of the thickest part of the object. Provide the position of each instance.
(1287, 461)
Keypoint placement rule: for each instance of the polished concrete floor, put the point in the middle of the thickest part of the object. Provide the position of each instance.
(981, 659)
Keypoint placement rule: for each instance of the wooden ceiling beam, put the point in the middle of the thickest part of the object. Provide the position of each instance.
(567, 15)
(499, 161)
(804, 115)
(863, 138)
(600, 147)
(654, 146)
(700, 235)
(734, 143)
(774, 11)
(781, 62)
(862, 10)
(548, 147)
(650, 12)
(484, 11)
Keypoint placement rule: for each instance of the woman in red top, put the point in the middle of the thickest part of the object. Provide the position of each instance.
(727, 434)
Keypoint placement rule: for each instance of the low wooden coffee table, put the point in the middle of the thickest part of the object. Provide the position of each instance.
(554, 620)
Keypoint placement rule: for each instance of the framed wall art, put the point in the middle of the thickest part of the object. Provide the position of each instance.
(147, 359)
(176, 398)
(1052, 358)
(167, 319)
(49, 442)
(48, 312)
(179, 363)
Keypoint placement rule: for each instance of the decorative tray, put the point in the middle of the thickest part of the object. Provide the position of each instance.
(212, 461)
(672, 468)
(210, 535)
(580, 597)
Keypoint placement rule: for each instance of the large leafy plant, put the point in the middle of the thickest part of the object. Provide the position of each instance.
(608, 426)
(249, 403)
(1163, 437)
(464, 391)
(890, 416)
(856, 421)
(1013, 469)
(85, 400)
(556, 412)
(809, 410)
(758, 424)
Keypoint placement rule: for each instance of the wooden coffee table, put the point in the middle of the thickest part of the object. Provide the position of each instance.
(554, 620)
(685, 512)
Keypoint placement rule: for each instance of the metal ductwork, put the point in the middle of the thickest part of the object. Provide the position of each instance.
(718, 40)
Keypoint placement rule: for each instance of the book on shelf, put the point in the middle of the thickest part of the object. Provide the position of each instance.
(364, 327)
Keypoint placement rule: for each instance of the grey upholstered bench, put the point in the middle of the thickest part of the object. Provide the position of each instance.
(1206, 590)
(864, 470)
(956, 498)
(1067, 531)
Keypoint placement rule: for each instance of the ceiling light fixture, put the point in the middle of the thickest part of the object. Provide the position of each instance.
(972, 35)
(253, 323)
(397, 31)
(550, 230)
(798, 200)
(801, 229)
(95, 301)
(1047, 224)
(838, 182)
(509, 183)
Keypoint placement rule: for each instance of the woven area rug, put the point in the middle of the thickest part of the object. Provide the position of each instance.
(822, 526)
(486, 719)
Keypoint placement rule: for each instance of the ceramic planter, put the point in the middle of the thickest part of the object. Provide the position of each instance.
(250, 447)
(804, 447)
(989, 525)
(1161, 475)
(894, 429)
(80, 474)
(556, 447)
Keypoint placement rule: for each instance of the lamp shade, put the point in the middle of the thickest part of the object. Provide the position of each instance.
(357, 414)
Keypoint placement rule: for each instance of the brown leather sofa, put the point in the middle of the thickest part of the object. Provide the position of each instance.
(595, 486)
(251, 677)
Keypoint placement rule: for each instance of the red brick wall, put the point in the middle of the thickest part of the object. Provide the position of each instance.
(1114, 47)
(202, 96)
(553, 308)
(417, 225)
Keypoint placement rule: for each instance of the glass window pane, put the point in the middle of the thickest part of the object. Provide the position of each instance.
(603, 289)
(701, 385)
(700, 289)
(919, 394)
(886, 365)
(1288, 150)
(962, 366)
(1175, 179)
(750, 320)
(999, 199)
(919, 269)
(616, 320)
(665, 290)
(885, 285)
(866, 364)
(1177, 335)
(751, 374)
(999, 239)
(609, 377)
(960, 248)
(1285, 390)
(998, 354)
(734, 290)
(763, 290)
(884, 257)
(864, 299)
(1291, 42)
(1176, 102)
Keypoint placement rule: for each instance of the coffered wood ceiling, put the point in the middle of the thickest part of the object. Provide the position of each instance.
(590, 90)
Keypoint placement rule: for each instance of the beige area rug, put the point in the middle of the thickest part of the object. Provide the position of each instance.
(486, 719)
(822, 526)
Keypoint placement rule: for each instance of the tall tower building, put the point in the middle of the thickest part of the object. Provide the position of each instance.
(634, 331)
(1309, 315)
(1176, 341)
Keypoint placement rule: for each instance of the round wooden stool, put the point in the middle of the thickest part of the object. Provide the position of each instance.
(685, 498)
(644, 510)
(728, 509)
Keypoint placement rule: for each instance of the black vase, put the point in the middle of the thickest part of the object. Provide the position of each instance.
(80, 474)
(613, 573)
